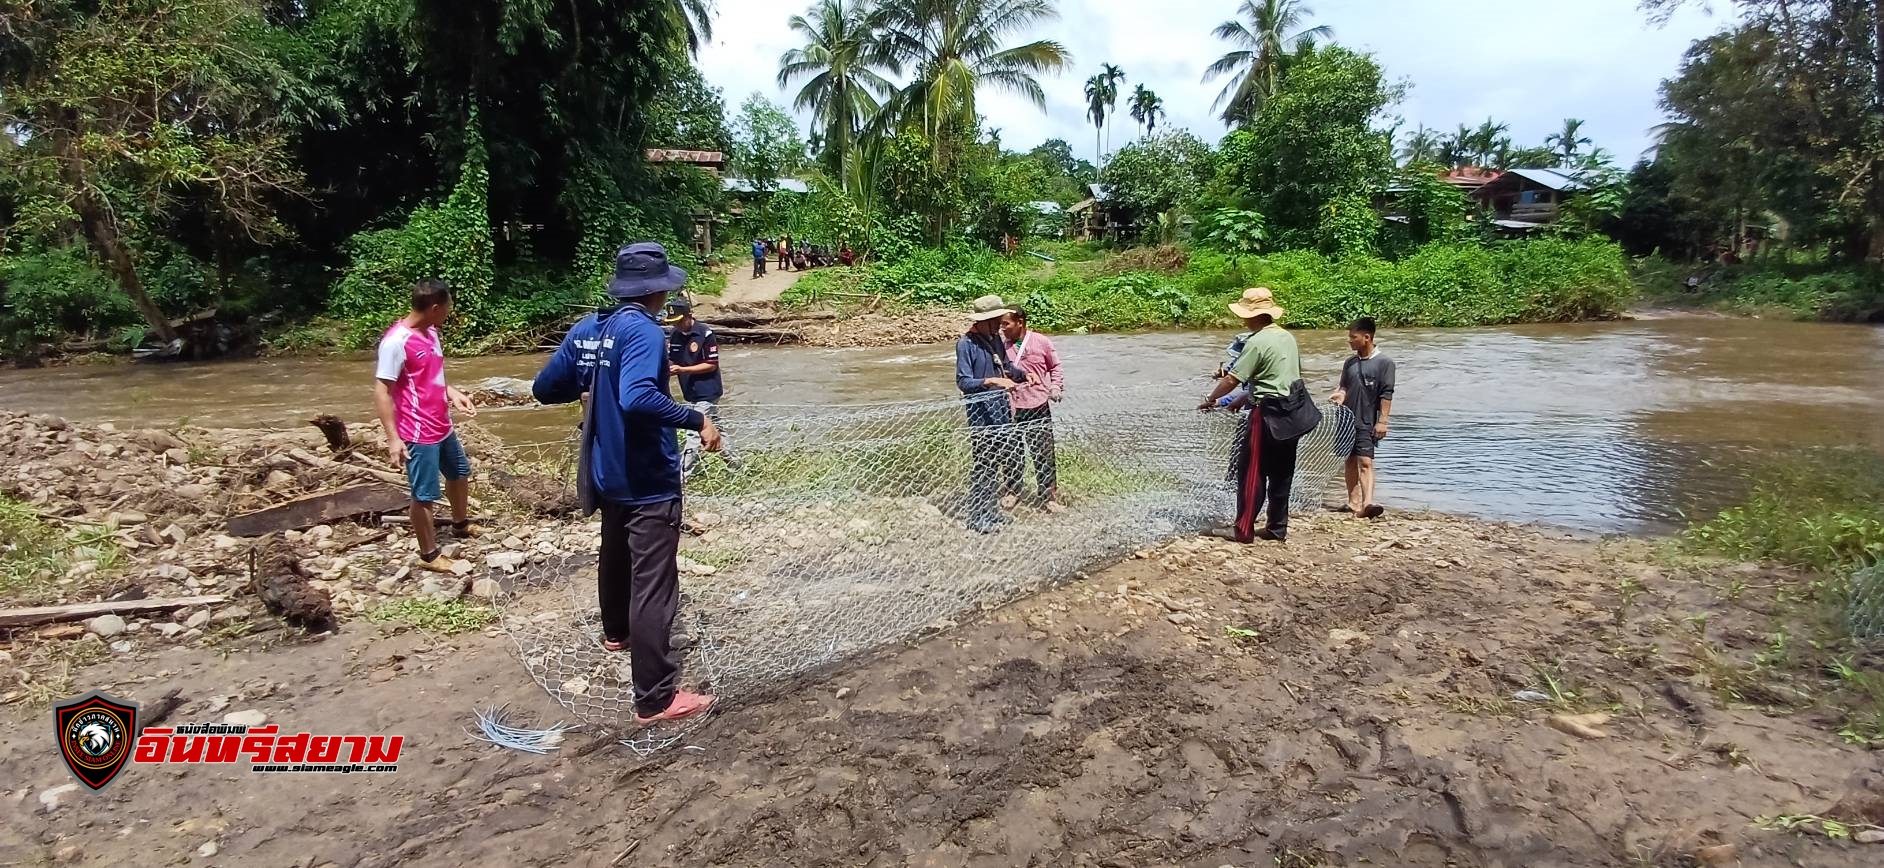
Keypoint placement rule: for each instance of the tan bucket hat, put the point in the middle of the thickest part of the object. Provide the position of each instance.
(1257, 301)
(989, 307)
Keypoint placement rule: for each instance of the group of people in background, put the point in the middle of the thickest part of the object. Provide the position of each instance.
(798, 256)
(1010, 376)
(618, 360)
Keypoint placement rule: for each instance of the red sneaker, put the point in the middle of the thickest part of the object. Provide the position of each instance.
(685, 705)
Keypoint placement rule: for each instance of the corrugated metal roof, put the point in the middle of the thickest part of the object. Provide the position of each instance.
(1555, 179)
(785, 185)
(1100, 192)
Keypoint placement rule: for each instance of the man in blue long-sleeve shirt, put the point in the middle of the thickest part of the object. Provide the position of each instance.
(633, 472)
(984, 373)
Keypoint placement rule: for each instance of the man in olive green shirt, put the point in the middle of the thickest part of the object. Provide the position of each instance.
(1263, 464)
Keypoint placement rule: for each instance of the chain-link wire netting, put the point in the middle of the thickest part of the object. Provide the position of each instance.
(1864, 613)
(841, 529)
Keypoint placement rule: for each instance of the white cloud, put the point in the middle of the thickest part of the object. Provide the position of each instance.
(1528, 63)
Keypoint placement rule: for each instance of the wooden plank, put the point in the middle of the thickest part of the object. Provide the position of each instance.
(32, 615)
(323, 508)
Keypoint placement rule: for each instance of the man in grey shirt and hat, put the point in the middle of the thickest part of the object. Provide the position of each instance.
(985, 374)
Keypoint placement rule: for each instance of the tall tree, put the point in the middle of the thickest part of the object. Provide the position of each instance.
(1259, 36)
(838, 63)
(123, 114)
(696, 18)
(1113, 76)
(1147, 108)
(766, 145)
(955, 47)
(1488, 140)
(1315, 144)
(1096, 112)
(1422, 146)
(1569, 139)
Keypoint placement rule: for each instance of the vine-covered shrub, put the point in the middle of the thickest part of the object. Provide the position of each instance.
(450, 241)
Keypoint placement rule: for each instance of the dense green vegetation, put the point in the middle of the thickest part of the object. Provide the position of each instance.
(295, 167)
(1810, 290)
(1539, 280)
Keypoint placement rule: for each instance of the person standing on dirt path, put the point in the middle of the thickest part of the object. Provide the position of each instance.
(1264, 461)
(985, 373)
(414, 406)
(1367, 390)
(628, 434)
(1033, 401)
(758, 258)
(785, 253)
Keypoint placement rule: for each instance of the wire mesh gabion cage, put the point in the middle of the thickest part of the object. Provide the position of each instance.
(835, 530)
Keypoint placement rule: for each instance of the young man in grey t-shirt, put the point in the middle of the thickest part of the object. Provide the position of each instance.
(1366, 390)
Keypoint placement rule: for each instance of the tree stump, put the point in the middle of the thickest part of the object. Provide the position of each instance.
(335, 428)
(277, 577)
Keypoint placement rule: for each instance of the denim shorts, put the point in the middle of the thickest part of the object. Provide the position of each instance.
(1364, 443)
(425, 462)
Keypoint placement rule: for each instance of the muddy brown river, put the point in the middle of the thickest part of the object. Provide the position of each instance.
(1616, 427)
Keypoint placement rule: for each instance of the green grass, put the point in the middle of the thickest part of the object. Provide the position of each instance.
(1533, 280)
(444, 617)
(36, 552)
(1823, 511)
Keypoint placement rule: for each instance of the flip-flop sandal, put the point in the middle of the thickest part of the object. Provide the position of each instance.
(614, 644)
(1342, 508)
(685, 705)
(1373, 510)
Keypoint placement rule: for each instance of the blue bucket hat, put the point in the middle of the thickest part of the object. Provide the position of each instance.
(641, 269)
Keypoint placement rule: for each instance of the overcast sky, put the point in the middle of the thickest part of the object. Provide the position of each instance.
(1528, 63)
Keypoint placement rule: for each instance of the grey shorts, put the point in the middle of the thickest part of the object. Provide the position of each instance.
(1363, 442)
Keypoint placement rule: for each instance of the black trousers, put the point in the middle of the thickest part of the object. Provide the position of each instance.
(1265, 471)
(997, 467)
(638, 584)
(1036, 431)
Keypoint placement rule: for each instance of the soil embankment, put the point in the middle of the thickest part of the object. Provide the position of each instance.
(1347, 699)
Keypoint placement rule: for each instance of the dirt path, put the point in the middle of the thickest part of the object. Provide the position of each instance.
(743, 289)
(1364, 716)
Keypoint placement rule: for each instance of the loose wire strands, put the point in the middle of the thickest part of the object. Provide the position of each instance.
(848, 528)
(495, 726)
(1864, 611)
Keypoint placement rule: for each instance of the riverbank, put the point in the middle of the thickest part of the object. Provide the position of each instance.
(1808, 292)
(1411, 691)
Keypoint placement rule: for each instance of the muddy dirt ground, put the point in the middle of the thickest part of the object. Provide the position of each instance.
(1360, 712)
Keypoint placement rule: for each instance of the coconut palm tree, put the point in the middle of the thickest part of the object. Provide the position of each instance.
(1113, 76)
(954, 47)
(838, 64)
(1485, 142)
(1422, 146)
(1096, 112)
(1568, 141)
(697, 17)
(1260, 36)
(1147, 108)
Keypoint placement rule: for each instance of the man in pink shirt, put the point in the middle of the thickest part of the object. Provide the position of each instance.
(415, 407)
(1032, 400)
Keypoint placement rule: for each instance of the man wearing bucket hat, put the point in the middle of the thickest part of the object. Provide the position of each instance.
(629, 467)
(1264, 460)
(985, 374)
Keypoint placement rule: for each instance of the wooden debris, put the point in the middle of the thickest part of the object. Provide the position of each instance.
(161, 709)
(335, 429)
(1580, 725)
(277, 577)
(33, 615)
(323, 508)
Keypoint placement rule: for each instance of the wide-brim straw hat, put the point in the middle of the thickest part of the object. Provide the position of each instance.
(1257, 301)
(989, 307)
